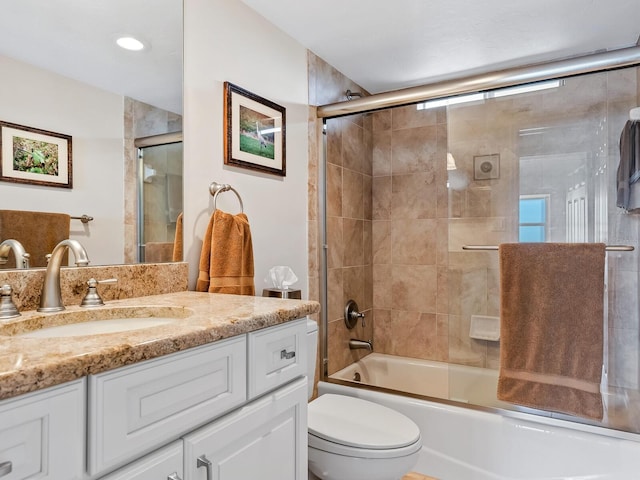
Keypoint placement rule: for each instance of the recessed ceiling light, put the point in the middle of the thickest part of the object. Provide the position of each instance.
(130, 43)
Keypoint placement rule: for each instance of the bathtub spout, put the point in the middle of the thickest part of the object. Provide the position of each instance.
(356, 344)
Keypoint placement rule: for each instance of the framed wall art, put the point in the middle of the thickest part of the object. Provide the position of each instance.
(254, 131)
(34, 156)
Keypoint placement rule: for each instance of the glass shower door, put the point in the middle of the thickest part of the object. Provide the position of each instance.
(160, 198)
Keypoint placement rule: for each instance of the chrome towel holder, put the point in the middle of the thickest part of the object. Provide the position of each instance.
(84, 218)
(215, 188)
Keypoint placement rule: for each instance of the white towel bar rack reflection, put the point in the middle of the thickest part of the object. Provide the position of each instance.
(84, 218)
(215, 188)
(609, 248)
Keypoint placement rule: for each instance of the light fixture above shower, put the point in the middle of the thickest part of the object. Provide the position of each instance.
(481, 97)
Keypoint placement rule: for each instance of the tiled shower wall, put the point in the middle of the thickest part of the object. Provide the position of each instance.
(425, 287)
(410, 210)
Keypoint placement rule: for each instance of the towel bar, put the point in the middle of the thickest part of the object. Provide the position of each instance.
(610, 248)
(84, 218)
(215, 188)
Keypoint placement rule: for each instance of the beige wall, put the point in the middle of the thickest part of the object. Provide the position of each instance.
(227, 41)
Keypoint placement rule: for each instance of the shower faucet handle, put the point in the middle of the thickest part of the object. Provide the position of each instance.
(352, 314)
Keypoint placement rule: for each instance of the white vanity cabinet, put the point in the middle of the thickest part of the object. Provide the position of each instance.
(42, 434)
(231, 410)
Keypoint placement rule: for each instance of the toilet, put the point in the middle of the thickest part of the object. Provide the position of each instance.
(355, 439)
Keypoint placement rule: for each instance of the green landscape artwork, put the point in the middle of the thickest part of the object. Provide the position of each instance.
(256, 133)
(35, 156)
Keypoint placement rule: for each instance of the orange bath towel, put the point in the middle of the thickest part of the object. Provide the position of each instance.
(551, 332)
(178, 242)
(226, 261)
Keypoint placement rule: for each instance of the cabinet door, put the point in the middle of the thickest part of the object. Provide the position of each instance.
(163, 464)
(266, 440)
(42, 434)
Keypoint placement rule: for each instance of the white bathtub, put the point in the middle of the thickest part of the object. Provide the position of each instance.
(469, 444)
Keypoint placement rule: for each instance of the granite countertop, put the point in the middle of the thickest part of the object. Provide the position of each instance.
(29, 364)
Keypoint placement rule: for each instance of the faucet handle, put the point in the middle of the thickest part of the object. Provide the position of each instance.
(7, 307)
(92, 298)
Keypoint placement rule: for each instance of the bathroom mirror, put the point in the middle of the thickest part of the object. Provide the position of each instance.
(63, 73)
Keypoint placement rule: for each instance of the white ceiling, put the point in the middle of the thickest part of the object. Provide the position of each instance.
(386, 45)
(76, 38)
(381, 45)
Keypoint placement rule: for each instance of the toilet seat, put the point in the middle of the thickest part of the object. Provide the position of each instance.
(359, 428)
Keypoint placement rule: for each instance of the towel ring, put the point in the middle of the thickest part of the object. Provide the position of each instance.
(215, 188)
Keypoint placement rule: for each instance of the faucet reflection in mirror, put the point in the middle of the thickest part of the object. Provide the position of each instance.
(21, 256)
(51, 296)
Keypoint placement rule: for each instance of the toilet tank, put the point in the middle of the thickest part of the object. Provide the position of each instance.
(312, 353)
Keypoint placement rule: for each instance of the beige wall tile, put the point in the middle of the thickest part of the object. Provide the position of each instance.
(381, 233)
(381, 203)
(353, 148)
(367, 194)
(334, 190)
(335, 242)
(353, 238)
(381, 121)
(352, 194)
(382, 286)
(381, 163)
(335, 294)
(414, 150)
(413, 242)
(414, 288)
(411, 117)
(334, 141)
(413, 196)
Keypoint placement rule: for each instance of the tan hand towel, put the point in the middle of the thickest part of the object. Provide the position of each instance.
(551, 333)
(38, 232)
(226, 261)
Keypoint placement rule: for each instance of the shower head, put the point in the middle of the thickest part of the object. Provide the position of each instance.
(351, 95)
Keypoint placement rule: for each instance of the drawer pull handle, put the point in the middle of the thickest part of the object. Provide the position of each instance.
(203, 461)
(174, 476)
(5, 468)
(287, 355)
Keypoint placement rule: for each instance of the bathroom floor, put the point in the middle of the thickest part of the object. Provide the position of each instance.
(417, 476)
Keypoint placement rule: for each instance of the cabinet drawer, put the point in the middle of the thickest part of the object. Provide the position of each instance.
(276, 356)
(135, 409)
(42, 434)
(158, 465)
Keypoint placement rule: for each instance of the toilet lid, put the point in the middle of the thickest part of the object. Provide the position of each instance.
(359, 423)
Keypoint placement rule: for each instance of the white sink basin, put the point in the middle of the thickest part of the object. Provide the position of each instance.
(91, 322)
(97, 327)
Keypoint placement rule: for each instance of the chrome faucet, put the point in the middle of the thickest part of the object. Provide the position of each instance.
(51, 296)
(22, 257)
(355, 344)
